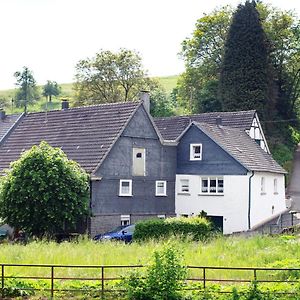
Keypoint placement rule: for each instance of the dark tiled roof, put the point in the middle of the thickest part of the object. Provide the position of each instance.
(240, 146)
(7, 123)
(171, 127)
(85, 134)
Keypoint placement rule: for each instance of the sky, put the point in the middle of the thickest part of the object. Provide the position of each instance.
(51, 36)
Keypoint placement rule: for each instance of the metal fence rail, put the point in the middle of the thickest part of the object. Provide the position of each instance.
(103, 278)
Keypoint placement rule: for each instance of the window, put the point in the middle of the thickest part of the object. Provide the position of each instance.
(161, 216)
(138, 162)
(125, 187)
(262, 186)
(275, 186)
(195, 151)
(184, 186)
(161, 188)
(125, 220)
(212, 185)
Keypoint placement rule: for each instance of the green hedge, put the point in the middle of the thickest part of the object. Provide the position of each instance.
(197, 228)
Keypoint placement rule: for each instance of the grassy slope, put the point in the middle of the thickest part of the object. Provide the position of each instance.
(168, 83)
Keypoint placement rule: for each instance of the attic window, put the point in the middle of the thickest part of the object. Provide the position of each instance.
(195, 151)
(139, 155)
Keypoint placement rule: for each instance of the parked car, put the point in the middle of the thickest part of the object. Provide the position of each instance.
(121, 233)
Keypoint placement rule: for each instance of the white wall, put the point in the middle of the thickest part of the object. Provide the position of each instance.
(267, 204)
(233, 205)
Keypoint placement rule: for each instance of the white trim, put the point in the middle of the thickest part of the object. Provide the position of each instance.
(164, 193)
(135, 151)
(161, 216)
(130, 187)
(193, 155)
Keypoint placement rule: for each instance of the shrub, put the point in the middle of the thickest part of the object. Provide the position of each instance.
(163, 279)
(197, 228)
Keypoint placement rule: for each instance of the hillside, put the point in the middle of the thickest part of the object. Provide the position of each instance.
(168, 83)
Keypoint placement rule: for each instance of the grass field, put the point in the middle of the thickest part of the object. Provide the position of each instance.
(224, 251)
(258, 251)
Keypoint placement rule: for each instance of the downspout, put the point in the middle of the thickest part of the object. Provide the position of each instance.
(90, 209)
(249, 202)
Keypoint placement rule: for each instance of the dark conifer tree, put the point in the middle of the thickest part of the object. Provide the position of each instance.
(245, 78)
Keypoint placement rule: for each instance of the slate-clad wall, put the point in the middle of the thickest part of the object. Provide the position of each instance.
(215, 161)
(160, 165)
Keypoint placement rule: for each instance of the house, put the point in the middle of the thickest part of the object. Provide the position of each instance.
(141, 167)
(224, 168)
(132, 170)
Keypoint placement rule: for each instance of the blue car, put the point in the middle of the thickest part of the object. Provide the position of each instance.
(121, 233)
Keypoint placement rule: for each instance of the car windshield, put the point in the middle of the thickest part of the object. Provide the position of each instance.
(128, 229)
(115, 230)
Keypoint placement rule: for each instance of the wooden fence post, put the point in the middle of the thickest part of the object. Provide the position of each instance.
(204, 277)
(2, 281)
(102, 282)
(52, 282)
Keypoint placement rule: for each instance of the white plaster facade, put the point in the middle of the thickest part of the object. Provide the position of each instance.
(233, 203)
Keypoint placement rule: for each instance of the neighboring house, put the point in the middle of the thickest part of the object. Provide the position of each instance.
(132, 170)
(7, 124)
(224, 168)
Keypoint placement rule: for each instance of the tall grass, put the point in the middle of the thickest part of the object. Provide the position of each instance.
(256, 251)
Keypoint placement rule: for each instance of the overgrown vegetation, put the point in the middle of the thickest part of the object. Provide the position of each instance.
(254, 251)
(195, 228)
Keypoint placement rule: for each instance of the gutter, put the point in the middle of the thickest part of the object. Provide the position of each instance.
(249, 202)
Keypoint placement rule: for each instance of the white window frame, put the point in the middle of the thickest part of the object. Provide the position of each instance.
(192, 152)
(157, 193)
(135, 151)
(125, 219)
(161, 216)
(130, 188)
(181, 186)
(262, 185)
(209, 179)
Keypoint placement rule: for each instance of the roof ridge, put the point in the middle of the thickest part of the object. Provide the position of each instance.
(82, 107)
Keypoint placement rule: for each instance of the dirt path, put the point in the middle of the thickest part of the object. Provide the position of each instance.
(294, 187)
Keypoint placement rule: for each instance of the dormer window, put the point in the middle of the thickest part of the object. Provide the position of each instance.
(195, 151)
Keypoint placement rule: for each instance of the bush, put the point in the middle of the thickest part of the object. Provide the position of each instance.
(163, 278)
(197, 228)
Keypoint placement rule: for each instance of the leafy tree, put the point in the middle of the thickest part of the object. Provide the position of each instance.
(110, 77)
(244, 77)
(203, 51)
(27, 92)
(51, 88)
(43, 191)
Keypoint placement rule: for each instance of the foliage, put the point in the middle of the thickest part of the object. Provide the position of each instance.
(17, 287)
(51, 88)
(245, 67)
(197, 228)
(43, 191)
(110, 77)
(160, 103)
(163, 279)
(27, 92)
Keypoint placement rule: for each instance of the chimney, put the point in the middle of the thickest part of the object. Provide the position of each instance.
(219, 121)
(64, 104)
(145, 98)
(2, 114)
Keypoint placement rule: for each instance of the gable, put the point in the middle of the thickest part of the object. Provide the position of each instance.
(215, 161)
(140, 125)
